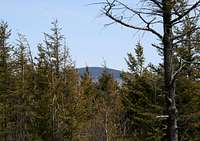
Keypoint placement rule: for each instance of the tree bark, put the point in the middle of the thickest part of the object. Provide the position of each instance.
(171, 111)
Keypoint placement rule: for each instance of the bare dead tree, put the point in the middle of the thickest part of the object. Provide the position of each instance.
(151, 15)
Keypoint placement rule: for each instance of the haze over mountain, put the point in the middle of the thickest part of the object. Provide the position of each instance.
(97, 71)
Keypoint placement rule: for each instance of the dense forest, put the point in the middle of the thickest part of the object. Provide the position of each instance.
(44, 98)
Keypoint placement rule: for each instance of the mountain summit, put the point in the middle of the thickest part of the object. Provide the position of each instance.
(97, 71)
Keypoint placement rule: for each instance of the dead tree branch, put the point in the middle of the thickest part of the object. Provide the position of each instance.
(186, 13)
(108, 12)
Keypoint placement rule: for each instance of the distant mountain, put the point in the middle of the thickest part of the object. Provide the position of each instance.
(97, 71)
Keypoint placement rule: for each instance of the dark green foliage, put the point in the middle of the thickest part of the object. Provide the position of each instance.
(140, 91)
(45, 99)
(5, 81)
(188, 85)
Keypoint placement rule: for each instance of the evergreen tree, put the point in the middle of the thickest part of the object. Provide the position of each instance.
(161, 13)
(41, 97)
(5, 80)
(45, 99)
(140, 92)
(23, 91)
(187, 83)
(62, 87)
(106, 120)
(87, 105)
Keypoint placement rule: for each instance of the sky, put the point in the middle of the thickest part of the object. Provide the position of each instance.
(89, 41)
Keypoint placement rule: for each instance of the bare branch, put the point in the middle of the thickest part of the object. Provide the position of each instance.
(143, 11)
(134, 27)
(108, 12)
(186, 13)
(157, 3)
(156, 46)
(181, 66)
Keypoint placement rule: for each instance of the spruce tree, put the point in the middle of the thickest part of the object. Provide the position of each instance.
(140, 98)
(5, 80)
(105, 123)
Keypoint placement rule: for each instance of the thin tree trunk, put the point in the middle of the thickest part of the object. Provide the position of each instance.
(106, 126)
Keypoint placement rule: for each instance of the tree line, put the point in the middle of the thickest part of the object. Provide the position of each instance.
(43, 98)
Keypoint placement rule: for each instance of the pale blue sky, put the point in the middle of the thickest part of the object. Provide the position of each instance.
(89, 41)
